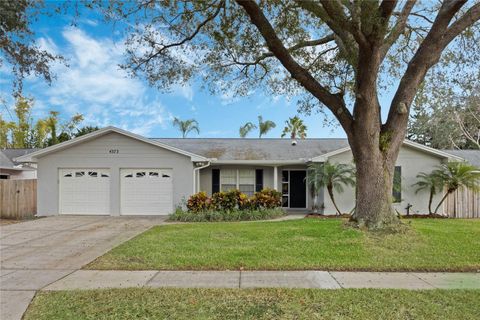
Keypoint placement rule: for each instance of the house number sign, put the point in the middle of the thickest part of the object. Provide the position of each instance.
(113, 151)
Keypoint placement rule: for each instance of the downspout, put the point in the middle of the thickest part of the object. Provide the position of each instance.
(195, 175)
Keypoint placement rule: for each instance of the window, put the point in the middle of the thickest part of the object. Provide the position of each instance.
(246, 181)
(153, 174)
(93, 174)
(228, 179)
(130, 175)
(397, 185)
(140, 174)
(3, 176)
(241, 179)
(79, 174)
(68, 175)
(104, 175)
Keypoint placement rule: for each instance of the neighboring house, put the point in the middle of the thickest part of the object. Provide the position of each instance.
(471, 156)
(11, 169)
(112, 171)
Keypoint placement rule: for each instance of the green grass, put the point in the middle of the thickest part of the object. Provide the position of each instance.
(255, 304)
(326, 244)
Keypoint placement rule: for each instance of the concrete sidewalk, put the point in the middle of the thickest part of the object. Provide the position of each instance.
(95, 279)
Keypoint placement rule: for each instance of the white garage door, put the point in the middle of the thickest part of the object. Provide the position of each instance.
(146, 191)
(84, 191)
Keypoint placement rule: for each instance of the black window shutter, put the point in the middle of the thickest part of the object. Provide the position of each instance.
(215, 180)
(258, 180)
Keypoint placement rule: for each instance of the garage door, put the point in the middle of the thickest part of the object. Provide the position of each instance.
(146, 191)
(84, 191)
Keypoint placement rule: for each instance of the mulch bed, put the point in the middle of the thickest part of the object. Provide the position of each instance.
(323, 216)
(424, 216)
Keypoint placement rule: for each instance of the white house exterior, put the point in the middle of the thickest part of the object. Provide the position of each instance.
(115, 172)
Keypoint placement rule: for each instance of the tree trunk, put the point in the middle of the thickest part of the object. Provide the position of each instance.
(430, 200)
(441, 201)
(374, 186)
(330, 193)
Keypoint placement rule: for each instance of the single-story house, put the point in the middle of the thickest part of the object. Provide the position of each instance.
(115, 172)
(12, 169)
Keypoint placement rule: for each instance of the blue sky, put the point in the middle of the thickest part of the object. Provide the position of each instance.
(94, 86)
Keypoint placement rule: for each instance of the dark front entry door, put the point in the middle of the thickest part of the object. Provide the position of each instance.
(298, 189)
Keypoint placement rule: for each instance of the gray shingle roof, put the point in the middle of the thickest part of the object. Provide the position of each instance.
(7, 156)
(472, 156)
(255, 149)
(4, 161)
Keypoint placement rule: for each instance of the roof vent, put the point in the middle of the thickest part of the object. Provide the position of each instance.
(294, 142)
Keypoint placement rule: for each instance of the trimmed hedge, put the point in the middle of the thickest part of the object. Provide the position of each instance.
(231, 205)
(234, 200)
(232, 215)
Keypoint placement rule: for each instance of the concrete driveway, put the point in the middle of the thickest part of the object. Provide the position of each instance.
(36, 253)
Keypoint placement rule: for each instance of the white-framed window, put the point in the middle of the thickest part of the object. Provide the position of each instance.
(241, 179)
(228, 179)
(246, 181)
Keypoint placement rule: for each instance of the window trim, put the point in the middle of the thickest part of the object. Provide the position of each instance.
(237, 179)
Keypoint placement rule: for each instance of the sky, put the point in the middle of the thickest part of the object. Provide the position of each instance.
(92, 84)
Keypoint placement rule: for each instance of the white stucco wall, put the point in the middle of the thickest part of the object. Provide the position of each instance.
(95, 154)
(413, 162)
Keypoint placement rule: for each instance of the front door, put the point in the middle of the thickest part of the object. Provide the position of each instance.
(298, 189)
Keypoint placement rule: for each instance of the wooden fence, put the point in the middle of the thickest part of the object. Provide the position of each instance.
(463, 203)
(18, 199)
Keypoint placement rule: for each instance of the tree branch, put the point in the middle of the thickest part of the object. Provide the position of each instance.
(398, 28)
(345, 40)
(331, 101)
(469, 18)
(427, 55)
(300, 45)
(336, 14)
(184, 40)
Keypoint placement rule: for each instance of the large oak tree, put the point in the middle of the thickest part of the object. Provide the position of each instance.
(334, 53)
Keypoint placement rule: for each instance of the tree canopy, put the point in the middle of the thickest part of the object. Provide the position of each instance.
(342, 55)
(23, 132)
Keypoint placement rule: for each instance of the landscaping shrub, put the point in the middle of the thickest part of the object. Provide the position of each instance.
(233, 215)
(267, 198)
(199, 202)
(230, 206)
(226, 200)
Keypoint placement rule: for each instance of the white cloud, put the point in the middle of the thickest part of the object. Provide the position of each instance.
(95, 86)
(184, 90)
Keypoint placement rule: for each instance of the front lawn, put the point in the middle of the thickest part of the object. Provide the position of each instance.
(325, 244)
(255, 304)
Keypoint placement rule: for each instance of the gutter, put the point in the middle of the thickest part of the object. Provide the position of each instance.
(260, 162)
(195, 175)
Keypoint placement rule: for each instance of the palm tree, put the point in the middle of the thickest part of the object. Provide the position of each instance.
(295, 127)
(455, 175)
(246, 128)
(314, 181)
(186, 126)
(333, 176)
(264, 126)
(430, 182)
